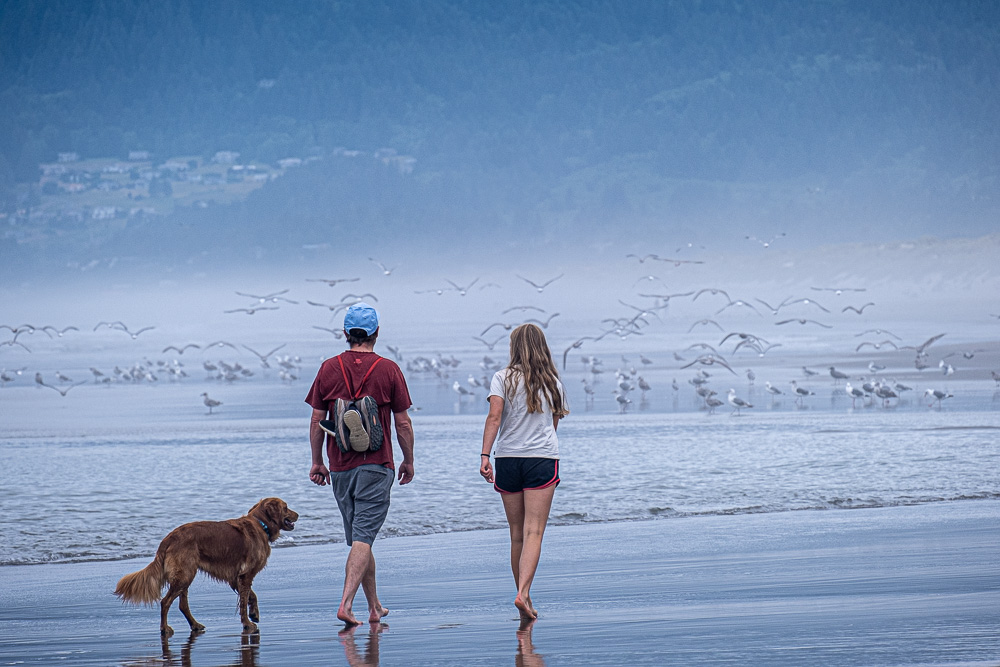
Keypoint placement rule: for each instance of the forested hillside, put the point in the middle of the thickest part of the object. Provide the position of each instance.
(567, 114)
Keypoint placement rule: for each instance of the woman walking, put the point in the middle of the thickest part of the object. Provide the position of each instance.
(526, 403)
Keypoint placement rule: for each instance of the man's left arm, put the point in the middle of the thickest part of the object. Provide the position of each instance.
(404, 436)
(318, 472)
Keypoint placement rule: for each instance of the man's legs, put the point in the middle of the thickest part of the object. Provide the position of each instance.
(360, 571)
(364, 502)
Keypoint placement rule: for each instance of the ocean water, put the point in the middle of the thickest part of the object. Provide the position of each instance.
(106, 471)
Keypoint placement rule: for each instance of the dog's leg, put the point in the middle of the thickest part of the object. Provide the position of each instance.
(165, 603)
(244, 584)
(253, 610)
(186, 610)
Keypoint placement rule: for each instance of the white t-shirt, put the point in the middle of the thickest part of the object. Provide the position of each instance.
(523, 434)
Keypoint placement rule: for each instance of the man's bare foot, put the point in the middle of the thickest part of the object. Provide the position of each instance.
(376, 615)
(347, 616)
(525, 609)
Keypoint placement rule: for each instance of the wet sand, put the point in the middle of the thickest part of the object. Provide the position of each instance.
(892, 586)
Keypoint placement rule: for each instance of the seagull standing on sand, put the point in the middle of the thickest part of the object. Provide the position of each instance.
(854, 393)
(737, 402)
(800, 392)
(837, 375)
(938, 396)
(209, 402)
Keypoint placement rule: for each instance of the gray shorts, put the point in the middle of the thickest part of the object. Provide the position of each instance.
(362, 495)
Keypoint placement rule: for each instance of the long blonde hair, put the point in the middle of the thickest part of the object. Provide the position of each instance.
(531, 362)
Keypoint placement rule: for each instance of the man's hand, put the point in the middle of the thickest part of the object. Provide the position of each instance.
(405, 473)
(319, 475)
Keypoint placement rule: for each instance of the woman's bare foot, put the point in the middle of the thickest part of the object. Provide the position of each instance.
(525, 609)
(377, 615)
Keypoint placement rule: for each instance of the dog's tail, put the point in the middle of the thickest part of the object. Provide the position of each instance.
(144, 586)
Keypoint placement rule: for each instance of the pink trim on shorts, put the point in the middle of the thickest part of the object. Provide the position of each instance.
(555, 479)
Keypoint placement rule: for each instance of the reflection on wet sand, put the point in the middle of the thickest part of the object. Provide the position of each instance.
(526, 656)
(248, 654)
(370, 654)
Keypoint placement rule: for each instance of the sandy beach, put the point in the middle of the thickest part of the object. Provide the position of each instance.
(915, 585)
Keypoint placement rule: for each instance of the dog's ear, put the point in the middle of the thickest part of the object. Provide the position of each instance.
(274, 510)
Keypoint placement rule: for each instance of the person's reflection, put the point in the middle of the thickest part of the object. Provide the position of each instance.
(370, 655)
(249, 650)
(526, 656)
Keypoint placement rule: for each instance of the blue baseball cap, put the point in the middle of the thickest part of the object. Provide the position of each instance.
(361, 316)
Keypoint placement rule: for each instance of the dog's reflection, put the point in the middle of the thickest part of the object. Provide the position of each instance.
(370, 654)
(249, 650)
(526, 656)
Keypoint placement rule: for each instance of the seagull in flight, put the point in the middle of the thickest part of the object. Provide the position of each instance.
(251, 311)
(713, 291)
(877, 346)
(462, 290)
(540, 287)
(358, 298)
(839, 290)
(385, 270)
(545, 324)
(709, 360)
(705, 322)
(789, 302)
(333, 309)
(58, 332)
(804, 321)
(62, 391)
(513, 308)
(332, 282)
(878, 332)
(274, 297)
(222, 343)
(180, 350)
(263, 357)
(643, 258)
(576, 345)
(487, 343)
(337, 333)
(738, 302)
(860, 310)
(768, 242)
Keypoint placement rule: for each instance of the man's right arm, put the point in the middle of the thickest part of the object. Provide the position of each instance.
(404, 436)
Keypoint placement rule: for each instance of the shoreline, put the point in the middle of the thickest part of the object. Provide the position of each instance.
(886, 586)
(668, 515)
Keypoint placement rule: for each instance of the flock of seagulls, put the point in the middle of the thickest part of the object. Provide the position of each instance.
(646, 308)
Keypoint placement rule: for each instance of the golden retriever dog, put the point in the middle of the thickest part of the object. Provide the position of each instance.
(232, 551)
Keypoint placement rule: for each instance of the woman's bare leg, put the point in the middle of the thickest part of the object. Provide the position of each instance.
(527, 514)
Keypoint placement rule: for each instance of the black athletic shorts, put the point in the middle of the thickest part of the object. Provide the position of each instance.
(513, 474)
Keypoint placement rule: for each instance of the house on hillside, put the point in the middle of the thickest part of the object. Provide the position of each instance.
(138, 156)
(290, 162)
(226, 157)
(68, 157)
(103, 212)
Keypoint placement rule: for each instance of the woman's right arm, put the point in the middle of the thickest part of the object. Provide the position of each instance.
(489, 436)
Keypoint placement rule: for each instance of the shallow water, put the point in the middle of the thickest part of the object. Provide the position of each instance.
(107, 471)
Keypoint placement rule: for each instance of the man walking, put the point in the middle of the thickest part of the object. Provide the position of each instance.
(361, 481)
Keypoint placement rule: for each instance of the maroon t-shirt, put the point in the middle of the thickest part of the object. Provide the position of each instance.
(385, 384)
